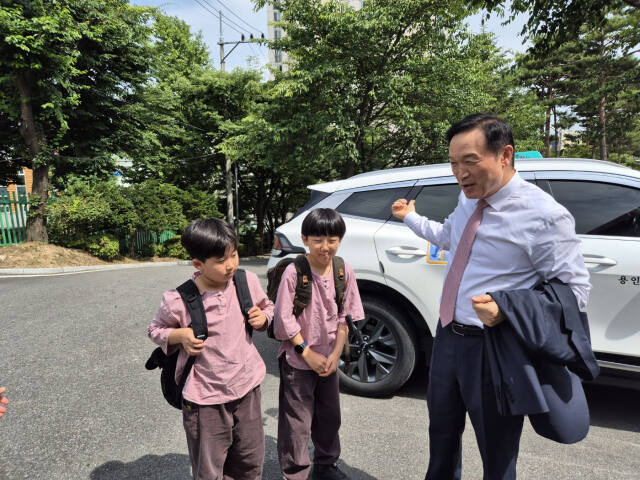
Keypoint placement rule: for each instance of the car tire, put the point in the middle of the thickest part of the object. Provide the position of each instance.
(382, 352)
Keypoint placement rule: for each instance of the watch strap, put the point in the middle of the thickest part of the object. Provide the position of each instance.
(300, 347)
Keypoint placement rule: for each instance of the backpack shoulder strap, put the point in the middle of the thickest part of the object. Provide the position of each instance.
(339, 281)
(302, 296)
(244, 296)
(193, 301)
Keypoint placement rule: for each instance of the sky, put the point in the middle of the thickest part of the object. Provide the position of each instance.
(202, 15)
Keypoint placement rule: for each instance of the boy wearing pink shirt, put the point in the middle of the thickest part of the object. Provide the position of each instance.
(221, 411)
(309, 354)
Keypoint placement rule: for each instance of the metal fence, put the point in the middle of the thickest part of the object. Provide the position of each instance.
(13, 225)
(13, 217)
(143, 238)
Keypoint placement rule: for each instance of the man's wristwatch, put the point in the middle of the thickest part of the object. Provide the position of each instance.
(300, 347)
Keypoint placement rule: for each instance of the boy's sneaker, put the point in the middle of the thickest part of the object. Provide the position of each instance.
(327, 472)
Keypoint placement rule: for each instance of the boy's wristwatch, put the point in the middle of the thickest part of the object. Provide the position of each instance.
(300, 347)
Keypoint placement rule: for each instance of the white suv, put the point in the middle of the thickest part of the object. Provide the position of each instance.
(400, 275)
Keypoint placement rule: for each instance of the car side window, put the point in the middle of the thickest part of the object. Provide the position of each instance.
(436, 202)
(374, 204)
(600, 208)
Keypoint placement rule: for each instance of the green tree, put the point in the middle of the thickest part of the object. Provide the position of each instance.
(176, 51)
(159, 137)
(545, 76)
(604, 78)
(67, 66)
(186, 119)
(88, 206)
(377, 86)
(367, 89)
(500, 91)
(271, 147)
(555, 21)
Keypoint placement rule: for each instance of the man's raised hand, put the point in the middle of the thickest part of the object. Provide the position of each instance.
(401, 208)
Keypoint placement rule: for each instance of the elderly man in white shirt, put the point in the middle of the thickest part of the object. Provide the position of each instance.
(504, 234)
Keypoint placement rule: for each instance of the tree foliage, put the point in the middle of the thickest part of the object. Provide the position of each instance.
(592, 81)
(555, 21)
(367, 89)
(184, 123)
(368, 78)
(67, 67)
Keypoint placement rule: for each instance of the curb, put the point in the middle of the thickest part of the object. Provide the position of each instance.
(92, 268)
(87, 268)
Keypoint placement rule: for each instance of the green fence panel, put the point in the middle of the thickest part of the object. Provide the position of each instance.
(143, 238)
(22, 213)
(3, 229)
(13, 218)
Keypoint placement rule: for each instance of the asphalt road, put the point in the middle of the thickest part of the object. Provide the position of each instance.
(72, 353)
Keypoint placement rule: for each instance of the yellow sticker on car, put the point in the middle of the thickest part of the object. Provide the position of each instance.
(437, 255)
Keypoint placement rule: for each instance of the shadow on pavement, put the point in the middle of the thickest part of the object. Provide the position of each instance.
(611, 404)
(271, 469)
(175, 466)
(171, 466)
(614, 407)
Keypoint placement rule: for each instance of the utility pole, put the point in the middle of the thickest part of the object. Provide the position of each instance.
(237, 197)
(232, 217)
(227, 162)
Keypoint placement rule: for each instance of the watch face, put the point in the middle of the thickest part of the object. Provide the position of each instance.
(300, 348)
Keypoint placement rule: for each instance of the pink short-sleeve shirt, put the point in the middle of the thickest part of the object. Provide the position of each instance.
(318, 323)
(230, 365)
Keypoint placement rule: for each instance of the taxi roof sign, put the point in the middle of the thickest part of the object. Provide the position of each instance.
(529, 154)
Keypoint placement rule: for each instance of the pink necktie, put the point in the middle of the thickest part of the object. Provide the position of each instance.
(460, 260)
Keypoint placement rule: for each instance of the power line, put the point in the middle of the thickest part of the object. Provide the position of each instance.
(227, 19)
(217, 16)
(237, 16)
(260, 53)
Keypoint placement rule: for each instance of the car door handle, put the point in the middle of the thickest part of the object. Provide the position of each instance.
(408, 251)
(599, 260)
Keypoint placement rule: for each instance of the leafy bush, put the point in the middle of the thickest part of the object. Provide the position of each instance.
(158, 206)
(173, 248)
(106, 247)
(87, 208)
(90, 207)
(72, 218)
(153, 250)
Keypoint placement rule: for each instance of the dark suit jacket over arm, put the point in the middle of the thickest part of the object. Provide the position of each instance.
(534, 357)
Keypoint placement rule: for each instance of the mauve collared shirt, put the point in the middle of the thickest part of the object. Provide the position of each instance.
(318, 323)
(229, 365)
(525, 237)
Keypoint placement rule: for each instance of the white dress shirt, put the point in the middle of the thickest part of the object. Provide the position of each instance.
(525, 237)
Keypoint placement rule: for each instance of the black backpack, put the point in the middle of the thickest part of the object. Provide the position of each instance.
(302, 297)
(193, 301)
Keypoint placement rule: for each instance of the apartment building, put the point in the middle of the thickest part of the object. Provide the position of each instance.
(277, 58)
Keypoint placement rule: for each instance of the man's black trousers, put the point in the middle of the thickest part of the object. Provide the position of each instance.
(459, 382)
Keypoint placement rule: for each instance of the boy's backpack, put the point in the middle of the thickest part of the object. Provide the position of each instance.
(302, 296)
(193, 301)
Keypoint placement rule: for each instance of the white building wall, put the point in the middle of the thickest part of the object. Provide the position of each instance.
(279, 60)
